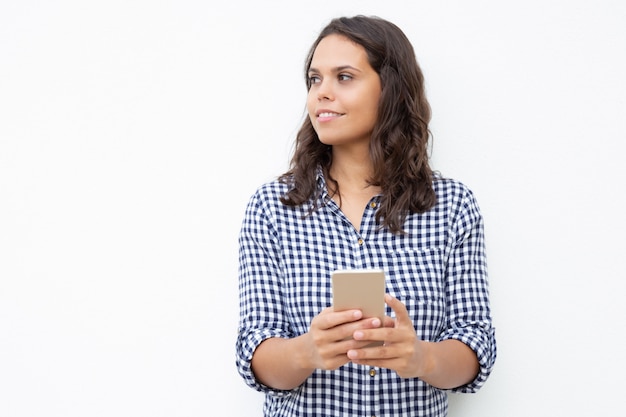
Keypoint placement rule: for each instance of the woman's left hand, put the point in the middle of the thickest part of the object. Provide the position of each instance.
(402, 351)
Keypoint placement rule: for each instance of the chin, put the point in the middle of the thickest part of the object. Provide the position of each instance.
(329, 142)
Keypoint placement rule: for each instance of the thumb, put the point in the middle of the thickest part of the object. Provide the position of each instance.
(402, 314)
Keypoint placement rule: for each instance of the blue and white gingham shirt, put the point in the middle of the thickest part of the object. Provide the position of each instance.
(438, 270)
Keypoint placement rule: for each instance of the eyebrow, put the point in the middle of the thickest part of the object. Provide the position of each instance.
(336, 69)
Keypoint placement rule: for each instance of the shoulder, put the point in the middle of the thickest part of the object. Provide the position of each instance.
(455, 197)
(268, 193)
(457, 203)
(272, 188)
(446, 188)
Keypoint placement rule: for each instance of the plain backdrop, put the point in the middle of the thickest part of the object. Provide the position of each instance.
(132, 134)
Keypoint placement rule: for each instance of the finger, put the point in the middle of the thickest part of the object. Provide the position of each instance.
(402, 315)
(371, 334)
(389, 321)
(372, 353)
(328, 318)
(361, 330)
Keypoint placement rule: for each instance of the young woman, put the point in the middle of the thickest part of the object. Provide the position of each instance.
(360, 194)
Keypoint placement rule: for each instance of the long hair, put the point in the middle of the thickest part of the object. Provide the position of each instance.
(399, 142)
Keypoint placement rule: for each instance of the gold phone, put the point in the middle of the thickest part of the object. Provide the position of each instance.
(362, 289)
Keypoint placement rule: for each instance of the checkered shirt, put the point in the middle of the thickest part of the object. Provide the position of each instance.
(438, 270)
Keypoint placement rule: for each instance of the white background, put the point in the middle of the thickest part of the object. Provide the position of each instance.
(133, 132)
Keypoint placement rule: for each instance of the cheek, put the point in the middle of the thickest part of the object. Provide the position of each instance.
(366, 103)
(369, 114)
(372, 111)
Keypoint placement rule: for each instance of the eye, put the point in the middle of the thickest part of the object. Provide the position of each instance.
(344, 77)
(314, 79)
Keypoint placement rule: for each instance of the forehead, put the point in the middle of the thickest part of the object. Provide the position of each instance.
(337, 50)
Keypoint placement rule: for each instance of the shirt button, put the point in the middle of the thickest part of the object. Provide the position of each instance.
(360, 241)
(373, 204)
(372, 372)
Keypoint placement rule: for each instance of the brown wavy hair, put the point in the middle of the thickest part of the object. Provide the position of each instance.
(399, 142)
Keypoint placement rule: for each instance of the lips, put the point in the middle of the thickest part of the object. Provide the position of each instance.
(327, 114)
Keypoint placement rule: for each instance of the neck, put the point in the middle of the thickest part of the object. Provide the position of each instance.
(352, 172)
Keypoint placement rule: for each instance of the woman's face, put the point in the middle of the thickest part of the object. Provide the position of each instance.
(344, 91)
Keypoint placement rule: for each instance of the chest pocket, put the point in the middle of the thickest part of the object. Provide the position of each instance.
(417, 278)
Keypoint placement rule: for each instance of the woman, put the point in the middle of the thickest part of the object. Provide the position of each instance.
(360, 194)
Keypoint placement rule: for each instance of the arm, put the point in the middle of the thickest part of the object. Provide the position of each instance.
(281, 363)
(446, 364)
(451, 363)
(286, 363)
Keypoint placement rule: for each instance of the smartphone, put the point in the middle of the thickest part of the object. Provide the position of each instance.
(362, 289)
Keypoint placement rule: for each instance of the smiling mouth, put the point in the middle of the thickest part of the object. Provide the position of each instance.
(328, 114)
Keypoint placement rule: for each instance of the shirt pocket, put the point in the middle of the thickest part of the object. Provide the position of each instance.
(416, 278)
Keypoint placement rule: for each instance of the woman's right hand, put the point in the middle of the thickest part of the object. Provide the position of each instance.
(286, 363)
(330, 337)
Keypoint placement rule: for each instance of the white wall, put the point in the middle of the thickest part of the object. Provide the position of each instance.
(132, 133)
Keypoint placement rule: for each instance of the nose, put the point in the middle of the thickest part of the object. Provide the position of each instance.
(324, 91)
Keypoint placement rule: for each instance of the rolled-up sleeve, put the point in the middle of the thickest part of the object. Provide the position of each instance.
(260, 305)
(467, 291)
